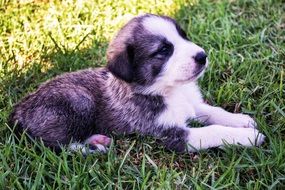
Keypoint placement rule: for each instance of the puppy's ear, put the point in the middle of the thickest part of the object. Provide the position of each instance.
(120, 64)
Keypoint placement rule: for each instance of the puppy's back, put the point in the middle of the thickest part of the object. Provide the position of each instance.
(61, 109)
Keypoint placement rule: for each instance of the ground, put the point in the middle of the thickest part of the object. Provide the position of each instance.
(245, 41)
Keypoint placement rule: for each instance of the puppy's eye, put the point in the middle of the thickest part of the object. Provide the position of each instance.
(164, 50)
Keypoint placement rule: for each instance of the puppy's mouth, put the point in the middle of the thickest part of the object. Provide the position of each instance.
(195, 75)
(198, 72)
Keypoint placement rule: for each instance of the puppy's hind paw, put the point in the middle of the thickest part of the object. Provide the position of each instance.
(94, 144)
(99, 139)
(98, 143)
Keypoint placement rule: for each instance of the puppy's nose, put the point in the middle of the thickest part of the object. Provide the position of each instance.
(201, 58)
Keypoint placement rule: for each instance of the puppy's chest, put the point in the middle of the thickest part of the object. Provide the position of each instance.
(179, 108)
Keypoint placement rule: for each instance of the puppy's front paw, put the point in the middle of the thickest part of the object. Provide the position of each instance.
(242, 121)
(249, 137)
(260, 139)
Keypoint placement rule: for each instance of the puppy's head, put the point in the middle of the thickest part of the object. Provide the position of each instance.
(153, 52)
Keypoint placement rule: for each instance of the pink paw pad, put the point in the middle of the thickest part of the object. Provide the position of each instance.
(99, 140)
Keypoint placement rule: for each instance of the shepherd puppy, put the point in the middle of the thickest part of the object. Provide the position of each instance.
(149, 87)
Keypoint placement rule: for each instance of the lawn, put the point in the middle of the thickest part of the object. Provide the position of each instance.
(245, 41)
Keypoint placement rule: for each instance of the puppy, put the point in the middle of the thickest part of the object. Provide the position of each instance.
(149, 86)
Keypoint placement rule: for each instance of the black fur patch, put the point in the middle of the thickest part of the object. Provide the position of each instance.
(181, 32)
(121, 66)
(148, 61)
(175, 138)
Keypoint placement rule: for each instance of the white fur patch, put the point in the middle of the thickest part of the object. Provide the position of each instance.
(216, 115)
(159, 26)
(217, 136)
(180, 105)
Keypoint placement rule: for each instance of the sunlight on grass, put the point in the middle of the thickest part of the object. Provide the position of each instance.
(31, 29)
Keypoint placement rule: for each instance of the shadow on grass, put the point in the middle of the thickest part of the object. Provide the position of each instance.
(17, 82)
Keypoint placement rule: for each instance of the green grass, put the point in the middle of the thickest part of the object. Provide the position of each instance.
(245, 41)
